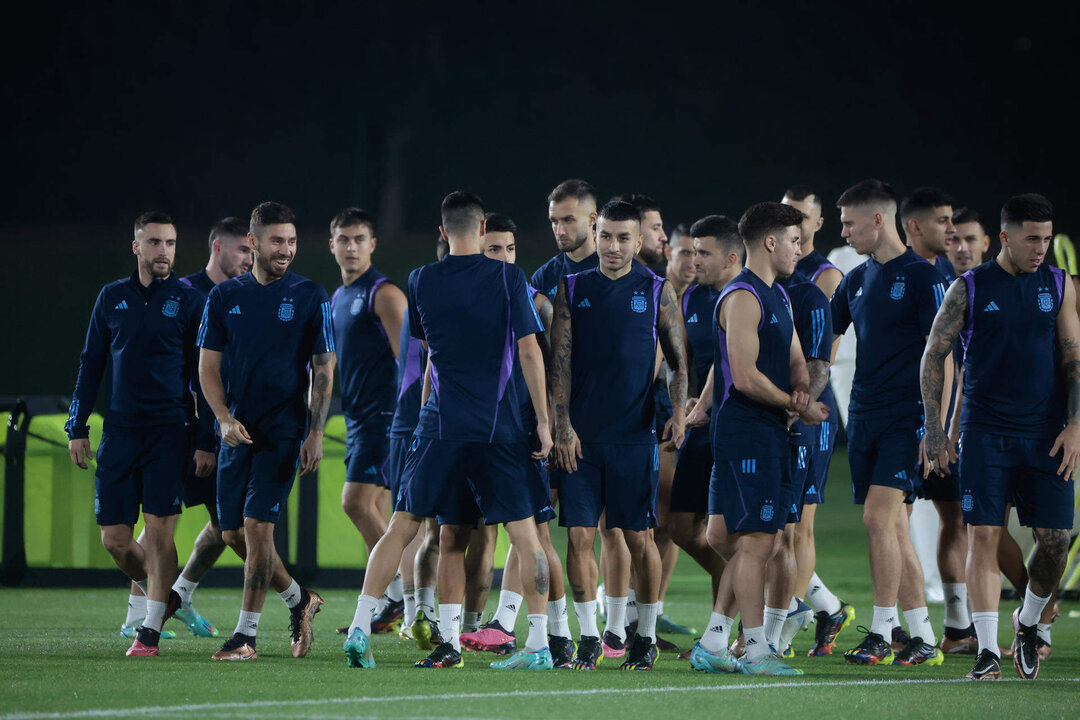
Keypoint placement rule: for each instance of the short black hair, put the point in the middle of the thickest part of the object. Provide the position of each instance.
(724, 229)
(767, 218)
(967, 215)
(1027, 207)
(497, 222)
(923, 199)
(618, 210)
(228, 227)
(799, 193)
(572, 188)
(152, 217)
(353, 216)
(642, 202)
(270, 213)
(867, 192)
(681, 229)
(462, 212)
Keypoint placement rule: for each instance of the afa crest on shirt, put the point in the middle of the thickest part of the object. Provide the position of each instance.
(1046, 302)
(286, 310)
(357, 306)
(968, 503)
(897, 290)
(766, 512)
(638, 303)
(171, 307)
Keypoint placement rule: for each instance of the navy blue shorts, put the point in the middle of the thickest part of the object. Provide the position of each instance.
(941, 489)
(395, 467)
(624, 480)
(464, 510)
(496, 474)
(753, 494)
(662, 407)
(690, 488)
(801, 456)
(883, 452)
(139, 467)
(999, 469)
(254, 481)
(820, 459)
(365, 459)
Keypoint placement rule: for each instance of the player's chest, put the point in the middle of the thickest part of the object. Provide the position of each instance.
(257, 319)
(161, 317)
(884, 300)
(614, 310)
(1015, 307)
(352, 313)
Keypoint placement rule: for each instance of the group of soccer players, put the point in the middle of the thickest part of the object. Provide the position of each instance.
(689, 409)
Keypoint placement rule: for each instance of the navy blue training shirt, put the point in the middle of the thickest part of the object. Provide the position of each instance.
(206, 436)
(614, 326)
(148, 334)
(412, 358)
(471, 310)
(813, 323)
(813, 264)
(698, 303)
(945, 268)
(892, 307)
(743, 427)
(267, 335)
(546, 278)
(365, 360)
(1013, 383)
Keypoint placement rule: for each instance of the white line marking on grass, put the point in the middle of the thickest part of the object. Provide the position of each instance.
(241, 706)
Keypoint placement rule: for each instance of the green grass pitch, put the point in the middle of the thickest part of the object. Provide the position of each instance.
(62, 657)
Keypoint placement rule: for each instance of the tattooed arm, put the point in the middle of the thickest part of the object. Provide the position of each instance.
(950, 319)
(672, 334)
(322, 383)
(567, 445)
(1068, 333)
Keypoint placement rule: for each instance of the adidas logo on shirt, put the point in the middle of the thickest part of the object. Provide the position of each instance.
(991, 307)
(122, 305)
(773, 321)
(858, 293)
(692, 318)
(584, 303)
(902, 475)
(276, 508)
(235, 310)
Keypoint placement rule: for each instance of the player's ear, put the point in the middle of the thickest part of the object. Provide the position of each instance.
(442, 233)
(483, 227)
(820, 222)
(374, 242)
(1004, 237)
(912, 226)
(134, 247)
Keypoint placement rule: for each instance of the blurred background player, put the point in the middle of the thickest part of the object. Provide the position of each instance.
(572, 213)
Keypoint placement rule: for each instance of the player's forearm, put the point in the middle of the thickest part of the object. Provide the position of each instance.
(673, 343)
(532, 367)
(946, 390)
(818, 371)
(322, 384)
(213, 388)
(1070, 363)
(705, 399)
(756, 386)
(932, 385)
(562, 351)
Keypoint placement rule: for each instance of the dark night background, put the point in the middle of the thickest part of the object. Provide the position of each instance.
(205, 109)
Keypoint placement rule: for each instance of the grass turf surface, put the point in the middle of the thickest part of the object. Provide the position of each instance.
(61, 656)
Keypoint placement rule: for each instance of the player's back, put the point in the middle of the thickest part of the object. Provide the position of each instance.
(1012, 377)
(471, 310)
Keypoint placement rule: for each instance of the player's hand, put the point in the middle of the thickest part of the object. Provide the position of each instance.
(815, 413)
(691, 403)
(696, 416)
(934, 452)
(567, 448)
(79, 449)
(1069, 443)
(205, 463)
(674, 434)
(311, 452)
(543, 435)
(233, 432)
(800, 402)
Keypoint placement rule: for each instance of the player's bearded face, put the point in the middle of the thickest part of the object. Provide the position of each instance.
(236, 257)
(155, 247)
(275, 248)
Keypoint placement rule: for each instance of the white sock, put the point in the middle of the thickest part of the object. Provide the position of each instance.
(291, 595)
(646, 626)
(774, 623)
(1044, 632)
(365, 610)
(789, 627)
(884, 619)
(394, 590)
(1031, 610)
(410, 609)
(717, 634)
(586, 617)
(184, 588)
(918, 623)
(820, 597)
(425, 600)
(383, 601)
(986, 629)
(155, 615)
(450, 624)
(537, 639)
(248, 623)
(509, 605)
(757, 646)
(659, 608)
(956, 606)
(470, 622)
(631, 607)
(616, 616)
(136, 610)
(141, 584)
(558, 620)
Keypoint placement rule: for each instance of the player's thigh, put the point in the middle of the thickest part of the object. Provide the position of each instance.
(435, 471)
(751, 492)
(116, 491)
(988, 463)
(690, 486)
(233, 477)
(505, 482)
(273, 472)
(1043, 498)
(581, 498)
(631, 486)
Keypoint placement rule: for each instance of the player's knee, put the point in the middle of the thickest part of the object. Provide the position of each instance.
(637, 541)
(234, 539)
(579, 539)
(116, 539)
(720, 541)
(453, 538)
(877, 522)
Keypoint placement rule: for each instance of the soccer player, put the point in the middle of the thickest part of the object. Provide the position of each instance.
(970, 242)
(926, 215)
(472, 312)
(891, 300)
(145, 325)
(1020, 431)
(572, 213)
(719, 254)
(368, 310)
(653, 238)
(607, 323)
(812, 263)
(264, 328)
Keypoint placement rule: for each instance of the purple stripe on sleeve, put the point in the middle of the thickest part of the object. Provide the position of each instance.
(413, 371)
(1059, 280)
(686, 300)
(571, 280)
(822, 268)
(507, 366)
(658, 286)
(969, 326)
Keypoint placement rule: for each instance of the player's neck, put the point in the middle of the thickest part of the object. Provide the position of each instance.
(890, 248)
(215, 273)
(586, 249)
(145, 278)
(807, 246)
(759, 265)
(616, 274)
(922, 251)
(263, 277)
(348, 277)
(679, 288)
(724, 280)
(1005, 264)
(466, 246)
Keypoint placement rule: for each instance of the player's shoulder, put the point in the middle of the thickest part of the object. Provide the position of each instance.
(920, 269)
(120, 285)
(304, 286)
